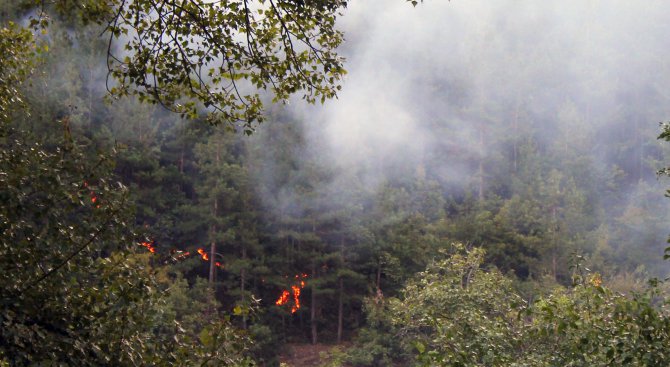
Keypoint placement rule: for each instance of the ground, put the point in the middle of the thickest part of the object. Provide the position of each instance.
(306, 355)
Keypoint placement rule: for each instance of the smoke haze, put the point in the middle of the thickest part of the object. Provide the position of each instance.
(437, 89)
(464, 94)
(414, 72)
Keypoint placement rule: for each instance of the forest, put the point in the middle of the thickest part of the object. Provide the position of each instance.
(331, 183)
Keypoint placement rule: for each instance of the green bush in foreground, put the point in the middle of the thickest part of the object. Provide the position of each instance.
(458, 314)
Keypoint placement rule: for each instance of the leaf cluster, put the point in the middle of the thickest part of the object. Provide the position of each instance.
(458, 314)
(186, 55)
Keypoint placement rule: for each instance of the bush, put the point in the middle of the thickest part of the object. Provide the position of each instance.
(458, 314)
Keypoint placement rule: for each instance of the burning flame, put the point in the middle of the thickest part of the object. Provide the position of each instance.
(94, 197)
(205, 257)
(285, 294)
(180, 255)
(283, 298)
(149, 246)
(296, 298)
(203, 254)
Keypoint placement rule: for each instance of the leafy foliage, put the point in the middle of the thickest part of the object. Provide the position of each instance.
(17, 47)
(591, 325)
(74, 289)
(205, 52)
(457, 314)
(219, 56)
(77, 288)
(665, 135)
(66, 237)
(373, 345)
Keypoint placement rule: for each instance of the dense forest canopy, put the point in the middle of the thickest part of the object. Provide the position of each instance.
(482, 191)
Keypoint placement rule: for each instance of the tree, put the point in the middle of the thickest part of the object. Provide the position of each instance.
(591, 325)
(75, 287)
(192, 54)
(226, 206)
(217, 55)
(17, 46)
(665, 135)
(458, 314)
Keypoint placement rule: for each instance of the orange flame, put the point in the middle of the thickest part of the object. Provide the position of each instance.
(285, 294)
(149, 246)
(283, 298)
(205, 257)
(296, 297)
(94, 197)
(179, 255)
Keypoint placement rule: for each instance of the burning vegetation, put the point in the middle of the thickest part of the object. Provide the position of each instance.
(180, 255)
(149, 246)
(285, 296)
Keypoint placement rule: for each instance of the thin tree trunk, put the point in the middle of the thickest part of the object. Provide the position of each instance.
(212, 250)
(640, 149)
(516, 134)
(554, 266)
(481, 162)
(340, 306)
(379, 275)
(313, 308)
(215, 209)
(90, 94)
(181, 161)
(340, 312)
(283, 327)
(243, 274)
(212, 253)
(182, 146)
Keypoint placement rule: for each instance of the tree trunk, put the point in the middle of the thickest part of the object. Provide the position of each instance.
(91, 74)
(215, 209)
(212, 253)
(554, 250)
(340, 313)
(182, 147)
(481, 163)
(379, 275)
(313, 308)
(515, 151)
(243, 274)
(340, 306)
(283, 327)
(640, 150)
(181, 161)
